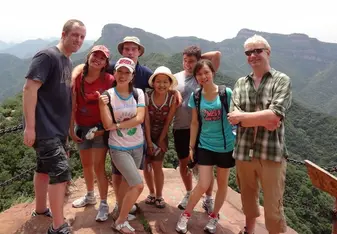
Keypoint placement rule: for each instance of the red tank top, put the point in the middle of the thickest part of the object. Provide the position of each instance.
(87, 109)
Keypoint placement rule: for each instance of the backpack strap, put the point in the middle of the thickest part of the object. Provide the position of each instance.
(197, 98)
(224, 107)
(110, 106)
(135, 94)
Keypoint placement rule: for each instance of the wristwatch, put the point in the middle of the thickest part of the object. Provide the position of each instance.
(118, 125)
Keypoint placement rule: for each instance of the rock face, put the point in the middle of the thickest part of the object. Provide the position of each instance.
(17, 219)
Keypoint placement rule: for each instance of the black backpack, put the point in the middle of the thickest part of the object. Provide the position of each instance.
(135, 96)
(224, 107)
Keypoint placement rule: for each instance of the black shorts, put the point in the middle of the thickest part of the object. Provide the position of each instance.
(211, 158)
(52, 159)
(182, 142)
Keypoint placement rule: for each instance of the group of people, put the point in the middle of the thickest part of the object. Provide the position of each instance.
(126, 110)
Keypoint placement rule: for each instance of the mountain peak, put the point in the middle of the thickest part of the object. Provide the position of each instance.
(245, 33)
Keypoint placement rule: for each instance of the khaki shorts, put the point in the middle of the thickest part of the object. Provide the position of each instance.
(127, 163)
(271, 175)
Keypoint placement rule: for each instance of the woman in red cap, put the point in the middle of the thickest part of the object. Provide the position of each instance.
(86, 128)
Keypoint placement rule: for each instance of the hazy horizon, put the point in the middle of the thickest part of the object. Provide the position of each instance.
(214, 21)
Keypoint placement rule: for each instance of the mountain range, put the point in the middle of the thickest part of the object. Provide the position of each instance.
(310, 63)
(28, 48)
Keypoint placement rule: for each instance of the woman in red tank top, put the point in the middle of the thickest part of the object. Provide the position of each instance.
(86, 128)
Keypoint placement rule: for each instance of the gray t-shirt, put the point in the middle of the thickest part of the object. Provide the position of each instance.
(53, 107)
(186, 85)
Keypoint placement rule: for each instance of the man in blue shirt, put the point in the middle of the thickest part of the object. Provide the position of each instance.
(131, 48)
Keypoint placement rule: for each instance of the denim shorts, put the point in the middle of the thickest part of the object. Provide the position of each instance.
(96, 142)
(52, 159)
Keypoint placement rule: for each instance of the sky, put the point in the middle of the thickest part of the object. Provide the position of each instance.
(213, 20)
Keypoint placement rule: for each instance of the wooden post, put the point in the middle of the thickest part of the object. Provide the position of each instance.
(325, 181)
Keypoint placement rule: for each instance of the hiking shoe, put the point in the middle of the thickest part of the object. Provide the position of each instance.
(103, 212)
(46, 213)
(182, 205)
(84, 201)
(64, 229)
(208, 205)
(182, 223)
(212, 223)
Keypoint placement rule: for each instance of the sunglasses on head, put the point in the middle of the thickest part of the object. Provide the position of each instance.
(255, 51)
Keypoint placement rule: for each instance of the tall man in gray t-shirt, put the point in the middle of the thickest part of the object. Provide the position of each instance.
(47, 111)
(182, 120)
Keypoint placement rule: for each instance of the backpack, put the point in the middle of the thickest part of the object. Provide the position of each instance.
(224, 107)
(134, 94)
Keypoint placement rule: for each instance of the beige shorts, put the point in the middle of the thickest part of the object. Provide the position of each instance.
(271, 175)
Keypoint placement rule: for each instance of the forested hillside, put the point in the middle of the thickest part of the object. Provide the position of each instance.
(309, 136)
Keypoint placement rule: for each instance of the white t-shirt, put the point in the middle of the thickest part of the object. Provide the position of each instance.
(125, 109)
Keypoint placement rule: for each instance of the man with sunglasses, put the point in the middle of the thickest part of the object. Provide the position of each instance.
(258, 107)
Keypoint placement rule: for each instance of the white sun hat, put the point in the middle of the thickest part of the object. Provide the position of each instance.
(166, 71)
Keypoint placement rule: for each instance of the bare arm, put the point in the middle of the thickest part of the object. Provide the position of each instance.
(214, 57)
(147, 124)
(72, 133)
(178, 98)
(73, 111)
(29, 100)
(76, 72)
(168, 120)
(269, 118)
(194, 128)
(138, 119)
(259, 118)
(105, 113)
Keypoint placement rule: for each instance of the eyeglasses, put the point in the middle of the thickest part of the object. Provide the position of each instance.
(255, 51)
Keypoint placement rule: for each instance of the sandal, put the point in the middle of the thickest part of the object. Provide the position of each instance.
(160, 203)
(150, 200)
(120, 226)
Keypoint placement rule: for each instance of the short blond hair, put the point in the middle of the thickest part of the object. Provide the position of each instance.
(257, 39)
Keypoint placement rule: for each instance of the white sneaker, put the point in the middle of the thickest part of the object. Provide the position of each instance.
(131, 217)
(182, 205)
(84, 201)
(182, 223)
(211, 225)
(103, 212)
(208, 205)
(133, 209)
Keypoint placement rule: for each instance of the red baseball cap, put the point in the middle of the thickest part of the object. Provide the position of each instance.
(101, 48)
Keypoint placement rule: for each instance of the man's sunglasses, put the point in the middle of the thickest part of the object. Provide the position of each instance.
(255, 51)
